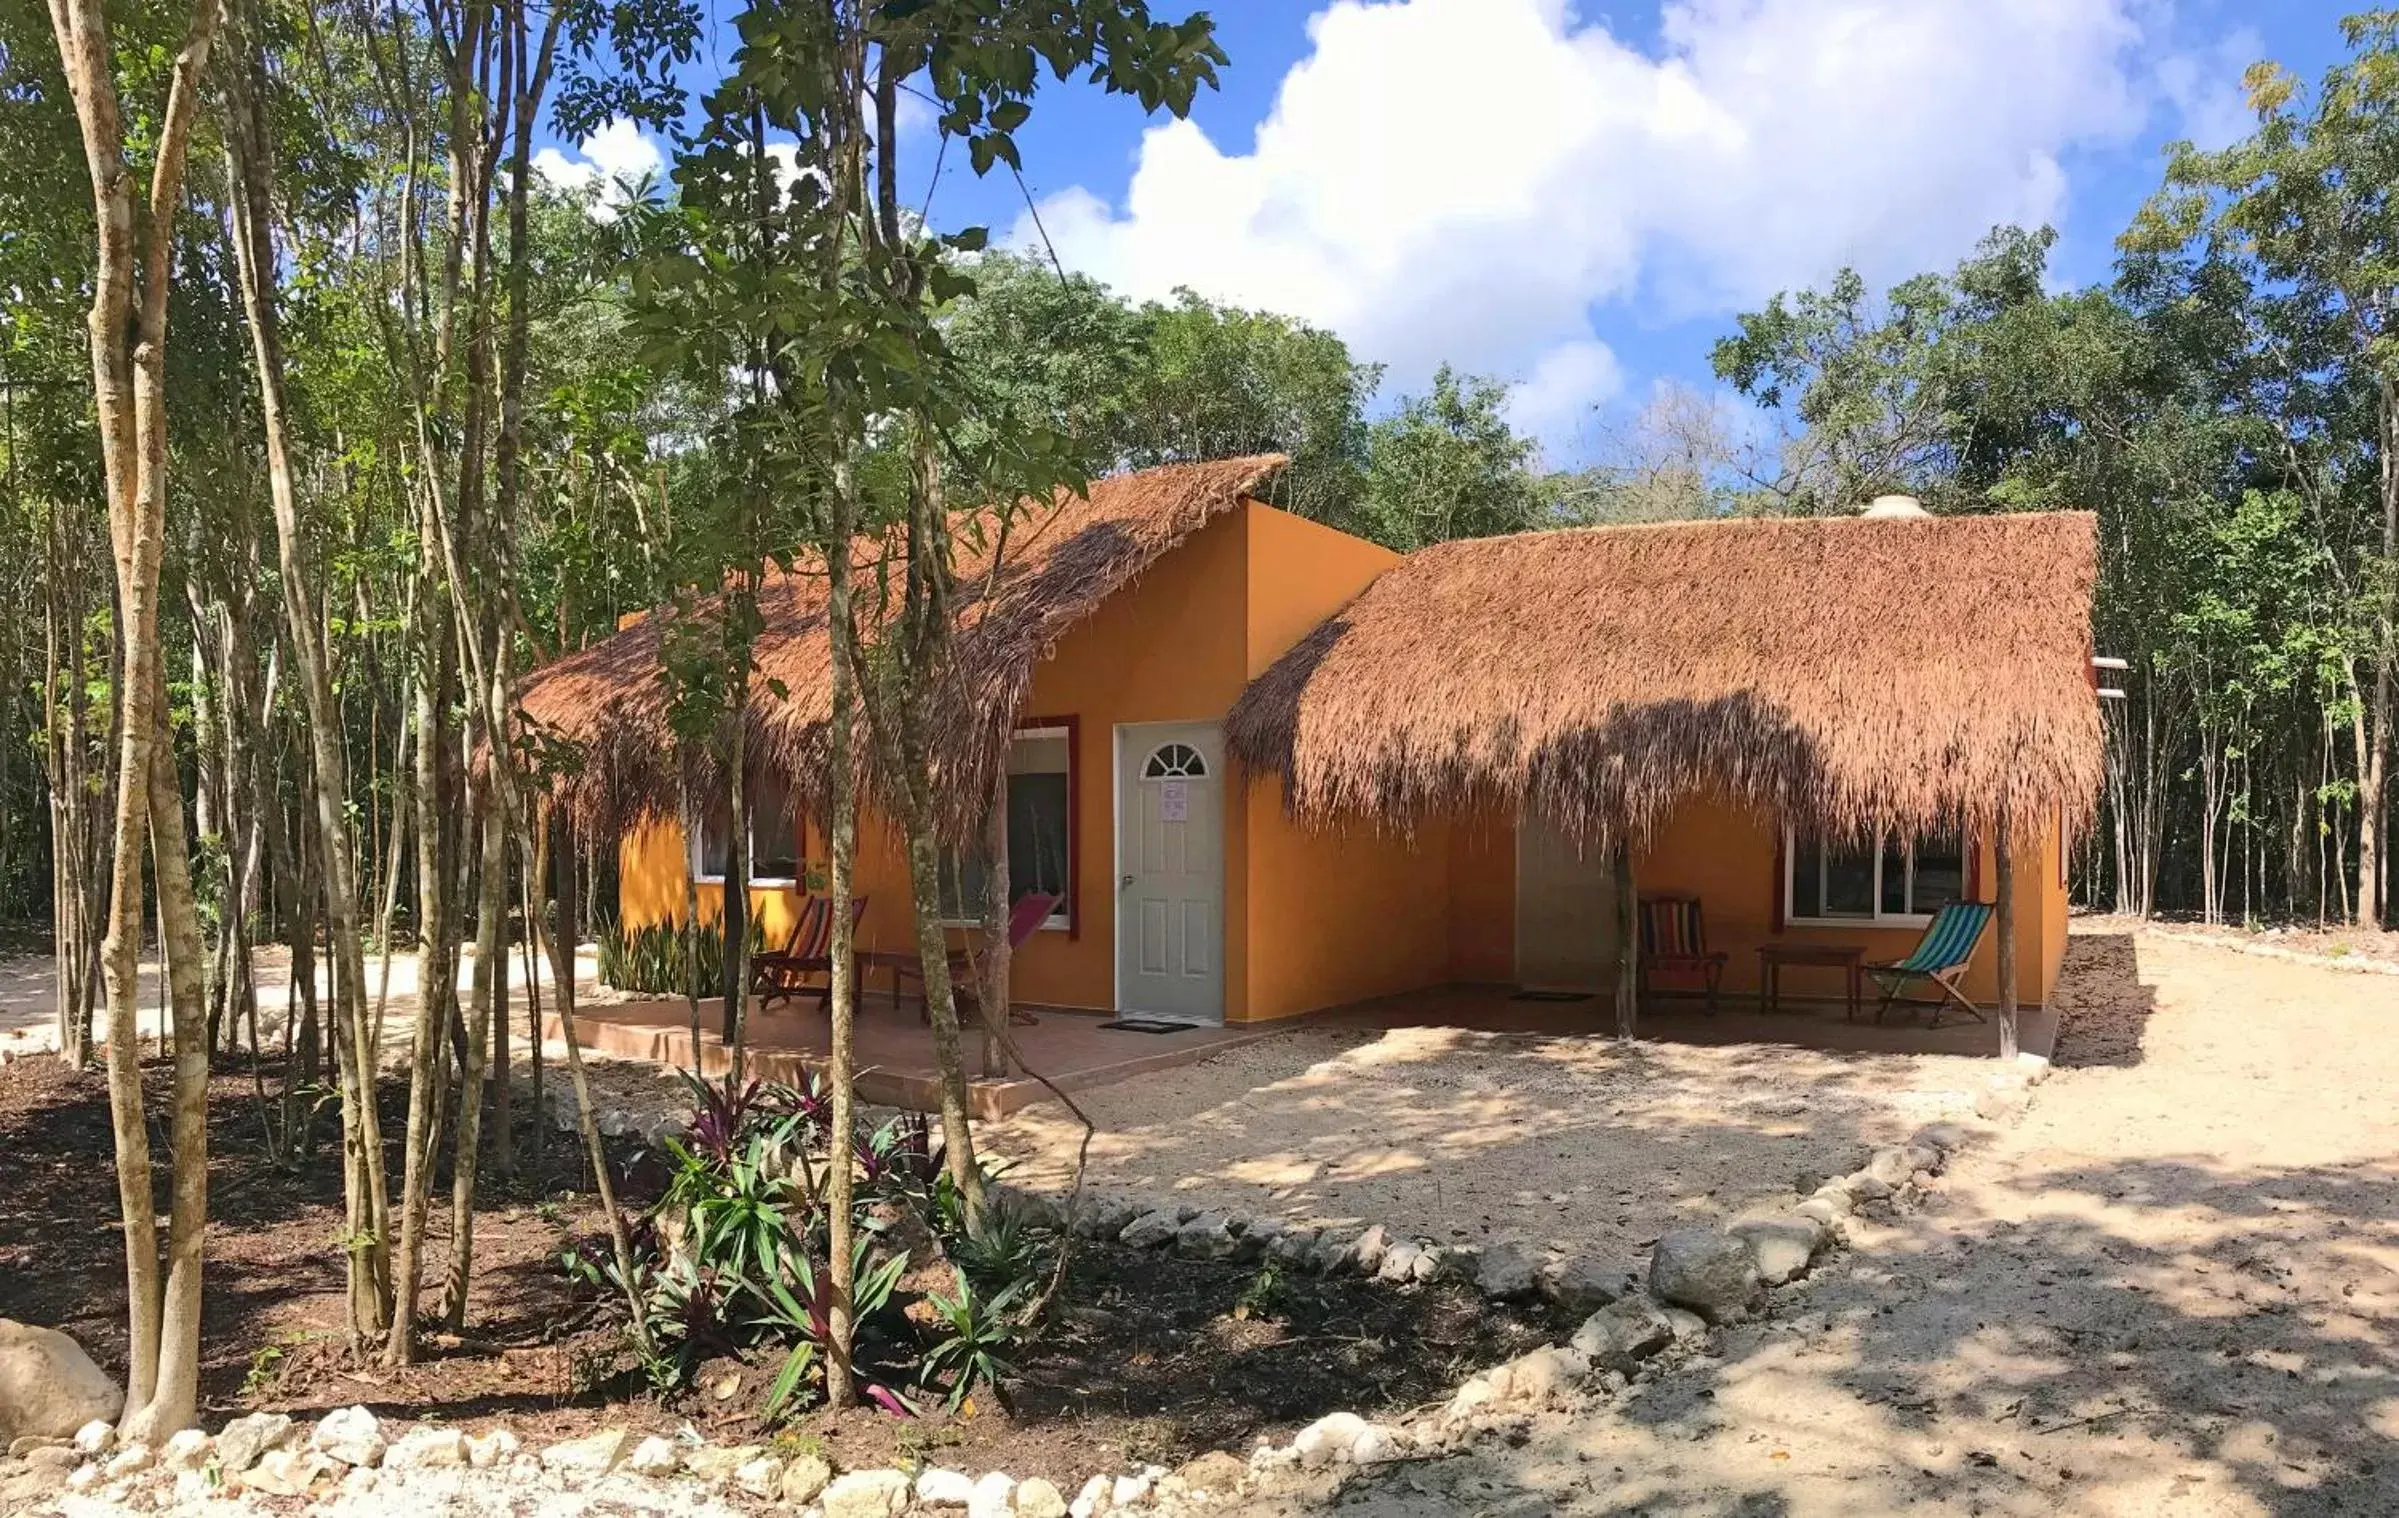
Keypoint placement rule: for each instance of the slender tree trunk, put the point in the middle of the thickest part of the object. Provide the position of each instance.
(992, 992)
(128, 333)
(842, 996)
(489, 1006)
(1628, 939)
(562, 961)
(2003, 862)
(367, 1203)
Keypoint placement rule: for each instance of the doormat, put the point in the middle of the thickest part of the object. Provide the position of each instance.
(1551, 996)
(1146, 1025)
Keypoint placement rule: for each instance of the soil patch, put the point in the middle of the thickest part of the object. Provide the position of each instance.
(1148, 1357)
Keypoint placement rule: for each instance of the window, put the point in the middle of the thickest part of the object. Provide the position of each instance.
(1175, 761)
(1040, 832)
(1892, 880)
(774, 835)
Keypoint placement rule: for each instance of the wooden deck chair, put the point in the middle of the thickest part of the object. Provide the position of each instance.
(1940, 956)
(1024, 920)
(786, 975)
(1674, 948)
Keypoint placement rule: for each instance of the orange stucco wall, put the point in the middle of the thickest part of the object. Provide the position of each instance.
(1343, 914)
(1726, 856)
(1176, 646)
(1315, 918)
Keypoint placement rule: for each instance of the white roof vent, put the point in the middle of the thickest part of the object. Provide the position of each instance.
(1883, 506)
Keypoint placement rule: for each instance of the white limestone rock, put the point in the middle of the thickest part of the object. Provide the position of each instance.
(1709, 1272)
(652, 1457)
(867, 1494)
(49, 1388)
(942, 1488)
(245, 1439)
(351, 1435)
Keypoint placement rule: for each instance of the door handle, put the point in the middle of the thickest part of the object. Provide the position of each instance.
(1125, 884)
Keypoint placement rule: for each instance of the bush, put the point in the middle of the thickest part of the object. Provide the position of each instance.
(733, 1257)
(653, 958)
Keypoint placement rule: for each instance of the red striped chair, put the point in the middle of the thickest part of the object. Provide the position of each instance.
(789, 974)
(1674, 948)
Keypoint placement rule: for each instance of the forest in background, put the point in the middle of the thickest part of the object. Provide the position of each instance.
(424, 422)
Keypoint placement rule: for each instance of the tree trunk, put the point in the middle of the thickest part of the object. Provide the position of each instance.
(562, 963)
(1628, 939)
(489, 1006)
(2003, 863)
(367, 1203)
(992, 992)
(841, 1007)
(128, 333)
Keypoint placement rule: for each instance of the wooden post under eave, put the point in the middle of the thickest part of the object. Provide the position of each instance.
(2003, 862)
(1628, 940)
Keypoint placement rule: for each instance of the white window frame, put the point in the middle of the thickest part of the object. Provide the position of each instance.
(693, 847)
(1061, 919)
(1881, 918)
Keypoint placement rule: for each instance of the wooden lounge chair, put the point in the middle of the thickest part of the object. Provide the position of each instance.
(1024, 920)
(1674, 948)
(1940, 956)
(787, 974)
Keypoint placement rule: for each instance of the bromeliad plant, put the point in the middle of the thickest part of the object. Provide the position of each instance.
(733, 1255)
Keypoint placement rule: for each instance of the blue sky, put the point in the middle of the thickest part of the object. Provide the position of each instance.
(1578, 197)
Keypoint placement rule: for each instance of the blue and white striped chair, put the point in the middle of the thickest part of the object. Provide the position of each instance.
(1940, 956)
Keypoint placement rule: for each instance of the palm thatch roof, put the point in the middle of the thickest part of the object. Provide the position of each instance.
(1058, 561)
(1844, 673)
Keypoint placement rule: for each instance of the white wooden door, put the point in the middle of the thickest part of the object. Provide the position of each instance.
(1170, 870)
(1565, 911)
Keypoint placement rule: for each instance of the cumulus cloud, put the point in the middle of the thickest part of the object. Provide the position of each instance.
(2204, 87)
(1470, 179)
(604, 165)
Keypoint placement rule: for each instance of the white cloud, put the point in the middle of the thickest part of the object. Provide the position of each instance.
(1469, 179)
(2204, 87)
(1554, 402)
(604, 165)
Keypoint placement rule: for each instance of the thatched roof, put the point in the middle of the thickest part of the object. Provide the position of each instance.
(1845, 673)
(1061, 560)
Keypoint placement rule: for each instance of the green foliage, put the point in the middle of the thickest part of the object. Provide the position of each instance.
(979, 1340)
(656, 957)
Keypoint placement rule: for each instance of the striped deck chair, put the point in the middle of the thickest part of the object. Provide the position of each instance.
(1940, 956)
(1674, 947)
(786, 974)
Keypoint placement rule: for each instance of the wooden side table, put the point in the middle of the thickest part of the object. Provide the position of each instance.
(1774, 957)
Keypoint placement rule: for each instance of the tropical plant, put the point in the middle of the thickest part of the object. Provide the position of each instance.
(804, 1316)
(1004, 1252)
(979, 1341)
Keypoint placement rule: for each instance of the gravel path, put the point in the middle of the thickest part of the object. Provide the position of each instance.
(2170, 1289)
(1449, 1134)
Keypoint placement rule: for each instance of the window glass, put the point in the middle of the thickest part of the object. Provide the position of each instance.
(1040, 796)
(1848, 881)
(1892, 878)
(1940, 874)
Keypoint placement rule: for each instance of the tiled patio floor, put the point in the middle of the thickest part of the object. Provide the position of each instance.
(895, 1049)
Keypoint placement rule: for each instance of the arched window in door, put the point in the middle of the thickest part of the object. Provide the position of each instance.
(1175, 761)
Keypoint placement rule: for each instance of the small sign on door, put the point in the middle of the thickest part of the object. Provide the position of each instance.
(1174, 801)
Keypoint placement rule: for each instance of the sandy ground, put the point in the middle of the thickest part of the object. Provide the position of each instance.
(2169, 1290)
(1453, 1135)
(28, 998)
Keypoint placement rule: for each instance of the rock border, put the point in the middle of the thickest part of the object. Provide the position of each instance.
(1694, 1280)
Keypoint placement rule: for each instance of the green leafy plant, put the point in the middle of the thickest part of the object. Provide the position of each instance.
(979, 1343)
(805, 1315)
(1006, 1251)
(1264, 1295)
(654, 958)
